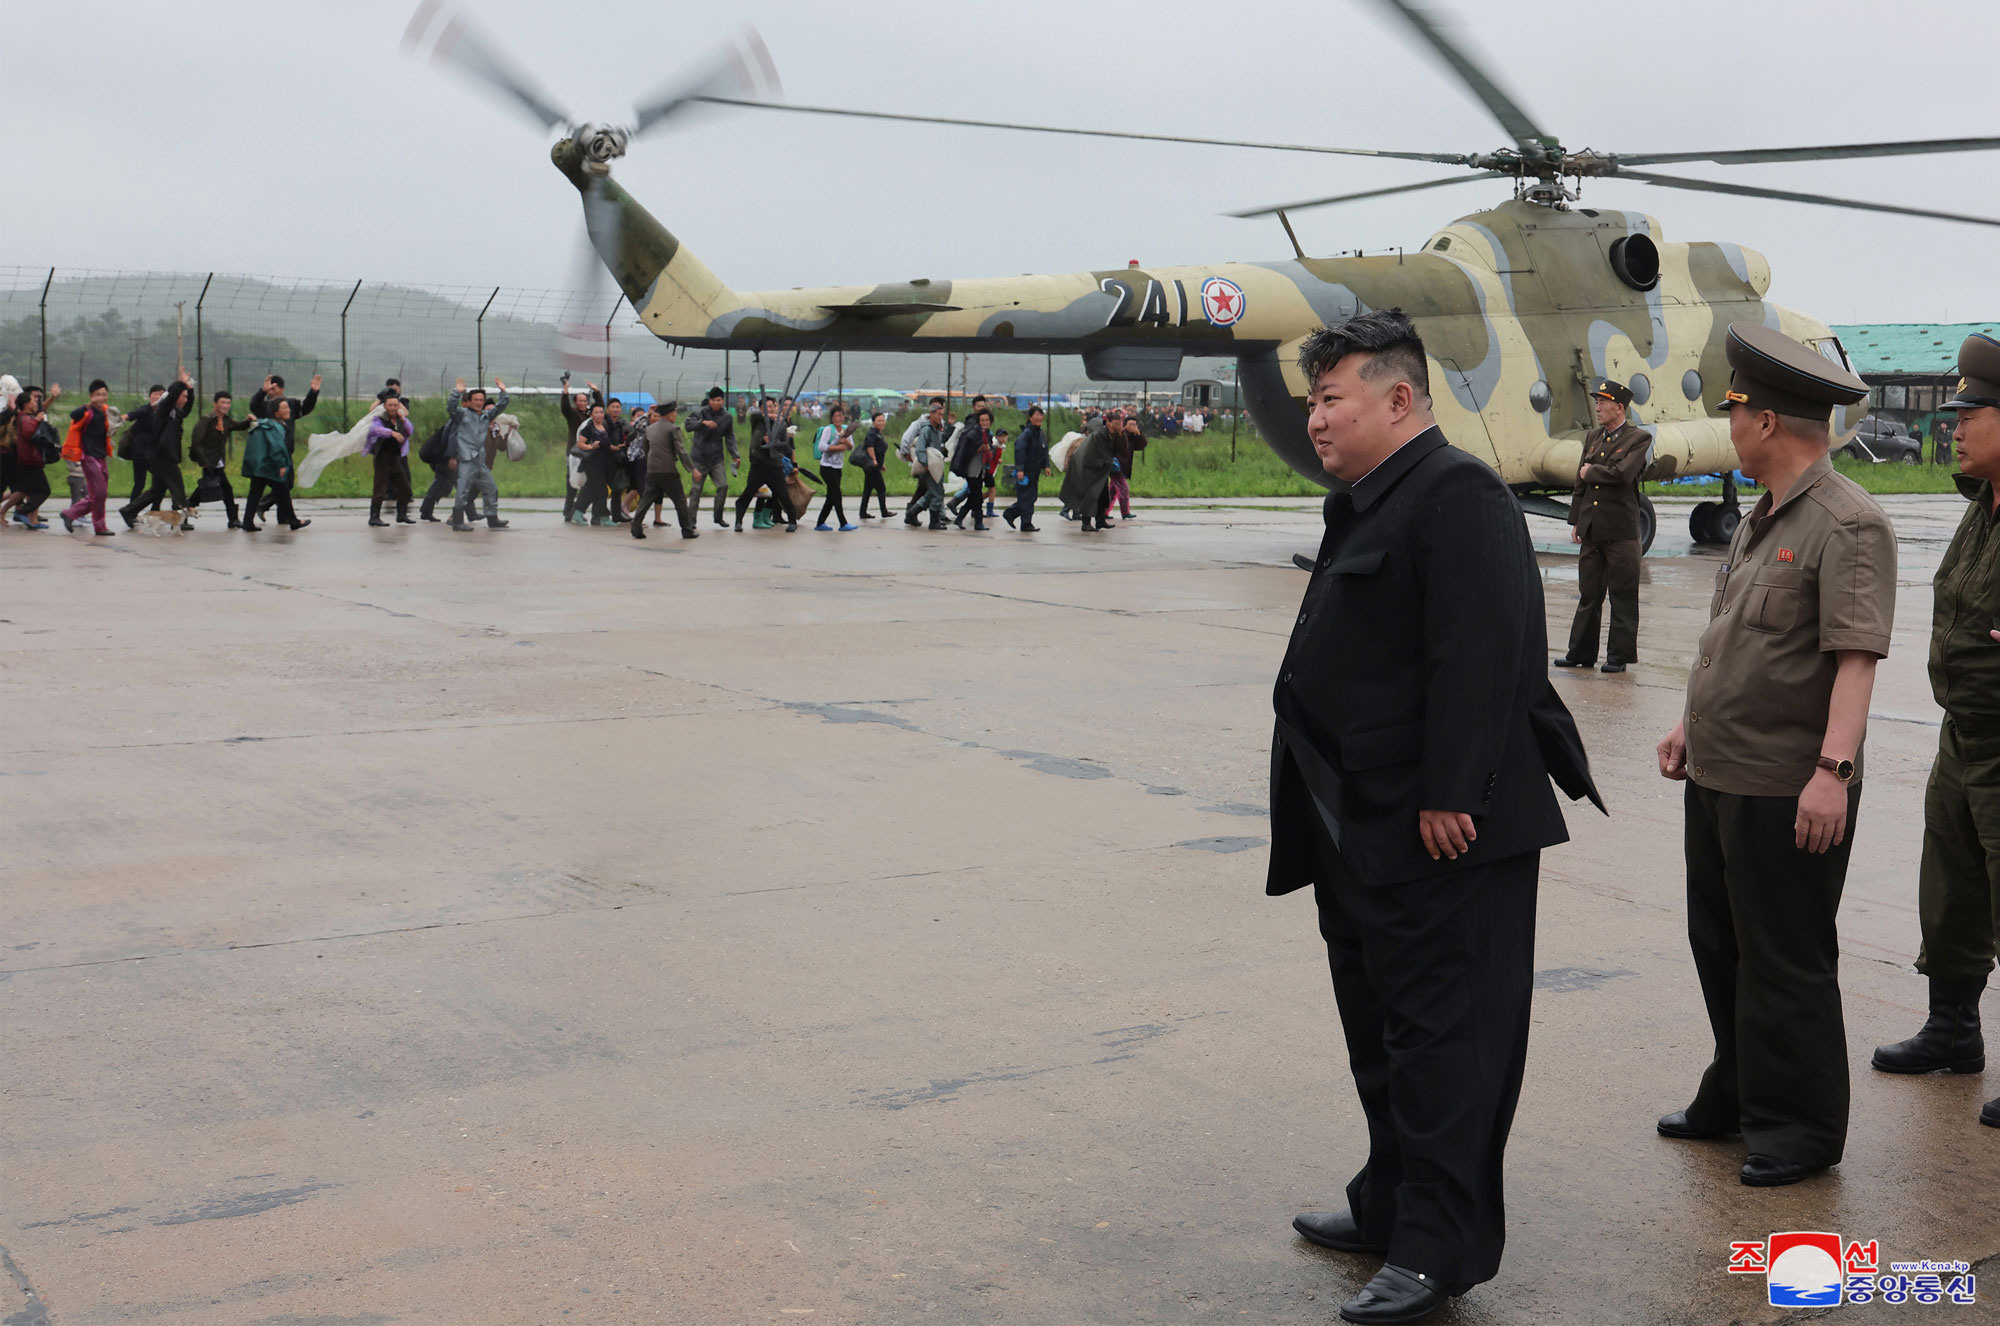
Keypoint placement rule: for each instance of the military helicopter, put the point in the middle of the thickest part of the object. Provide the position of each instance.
(1520, 306)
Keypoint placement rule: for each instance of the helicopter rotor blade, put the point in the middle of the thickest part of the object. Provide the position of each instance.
(1761, 155)
(1443, 158)
(459, 43)
(1369, 193)
(1520, 126)
(743, 68)
(1792, 196)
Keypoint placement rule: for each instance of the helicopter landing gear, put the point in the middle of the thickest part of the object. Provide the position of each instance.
(1716, 522)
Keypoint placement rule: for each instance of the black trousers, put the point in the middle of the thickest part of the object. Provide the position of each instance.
(142, 470)
(264, 494)
(872, 485)
(830, 475)
(1602, 565)
(664, 486)
(1023, 509)
(1761, 924)
(33, 485)
(392, 476)
(765, 474)
(444, 483)
(166, 482)
(596, 493)
(1433, 978)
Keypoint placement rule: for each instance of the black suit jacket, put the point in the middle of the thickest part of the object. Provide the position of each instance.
(1417, 678)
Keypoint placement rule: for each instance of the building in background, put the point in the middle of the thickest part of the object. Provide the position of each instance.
(1910, 368)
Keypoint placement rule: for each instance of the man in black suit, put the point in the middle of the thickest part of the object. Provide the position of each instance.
(1416, 736)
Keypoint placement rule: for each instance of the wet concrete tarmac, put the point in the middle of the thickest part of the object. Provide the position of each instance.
(401, 926)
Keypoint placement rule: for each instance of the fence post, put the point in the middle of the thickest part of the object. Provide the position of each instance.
(45, 326)
(343, 352)
(200, 378)
(618, 304)
(479, 360)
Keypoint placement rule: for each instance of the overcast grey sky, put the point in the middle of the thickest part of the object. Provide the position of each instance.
(297, 139)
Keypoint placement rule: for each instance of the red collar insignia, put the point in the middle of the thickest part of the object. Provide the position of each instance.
(1784, 554)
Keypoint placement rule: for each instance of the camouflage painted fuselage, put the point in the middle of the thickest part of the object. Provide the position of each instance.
(1519, 307)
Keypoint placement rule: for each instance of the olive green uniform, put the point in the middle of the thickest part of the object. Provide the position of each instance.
(1811, 574)
(1605, 511)
(1958, 883)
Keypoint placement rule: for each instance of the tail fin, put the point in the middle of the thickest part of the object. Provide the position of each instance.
(673, 291)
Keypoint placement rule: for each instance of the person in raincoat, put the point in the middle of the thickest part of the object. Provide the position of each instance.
(1087, 473)
(267, 464)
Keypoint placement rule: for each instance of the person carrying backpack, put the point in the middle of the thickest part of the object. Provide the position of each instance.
(90, 435)
(209, 450)
(29, 443)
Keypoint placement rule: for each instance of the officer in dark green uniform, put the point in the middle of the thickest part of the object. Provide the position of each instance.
(1770, 745)
(1958, 883)
(1604, 514)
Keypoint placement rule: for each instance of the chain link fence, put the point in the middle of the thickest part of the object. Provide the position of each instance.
(229, 331)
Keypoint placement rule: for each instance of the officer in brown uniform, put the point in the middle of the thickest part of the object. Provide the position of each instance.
(1604, 514)
(1770, 745)
(1958, 883)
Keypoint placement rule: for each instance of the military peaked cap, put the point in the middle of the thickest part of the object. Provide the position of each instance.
(1608, 390)
(1978, 374)
(1771, 371)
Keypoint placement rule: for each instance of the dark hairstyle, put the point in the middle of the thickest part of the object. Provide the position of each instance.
(936, 401)
(393, 382)
(1034, 410)
(713, 392)
(277, 382)
(878, 414)
(99, 384)
(1387, 337)
(982, 413)
(221, 396)
(157, 386)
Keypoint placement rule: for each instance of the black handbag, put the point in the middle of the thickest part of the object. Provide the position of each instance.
(47, 443)
(208, 488)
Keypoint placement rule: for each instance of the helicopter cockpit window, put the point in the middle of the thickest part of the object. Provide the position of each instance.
(1834, 350)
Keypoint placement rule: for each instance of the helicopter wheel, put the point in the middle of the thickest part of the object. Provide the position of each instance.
(1701, 521)
(1724, 522)
(1649, 525)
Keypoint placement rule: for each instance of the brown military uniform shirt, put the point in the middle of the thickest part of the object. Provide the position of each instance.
(1605, 506)
(1806, 576)
(1965, 660)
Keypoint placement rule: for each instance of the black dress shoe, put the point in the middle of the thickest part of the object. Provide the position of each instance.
(1989, 1113)
(1336, 1230)
(1612, 667)
(1771, 1172)
(1676, 1125)
(1567, 662)
(1396, 1295)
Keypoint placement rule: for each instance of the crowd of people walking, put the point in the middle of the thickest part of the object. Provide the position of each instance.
(622, 468)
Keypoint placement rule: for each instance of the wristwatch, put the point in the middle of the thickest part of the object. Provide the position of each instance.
(1841, 769)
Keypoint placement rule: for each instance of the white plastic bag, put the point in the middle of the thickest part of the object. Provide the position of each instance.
(323, 449)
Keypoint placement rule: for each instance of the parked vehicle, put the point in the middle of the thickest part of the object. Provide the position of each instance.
(1881, 441)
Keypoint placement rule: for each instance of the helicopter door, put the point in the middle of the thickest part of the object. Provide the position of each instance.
(1460, 388)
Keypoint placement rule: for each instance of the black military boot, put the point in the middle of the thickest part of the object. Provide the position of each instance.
(375, 513)
(1949, 1042)
(403, 513)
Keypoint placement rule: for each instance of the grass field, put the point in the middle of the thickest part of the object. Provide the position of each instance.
(1184, 467)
